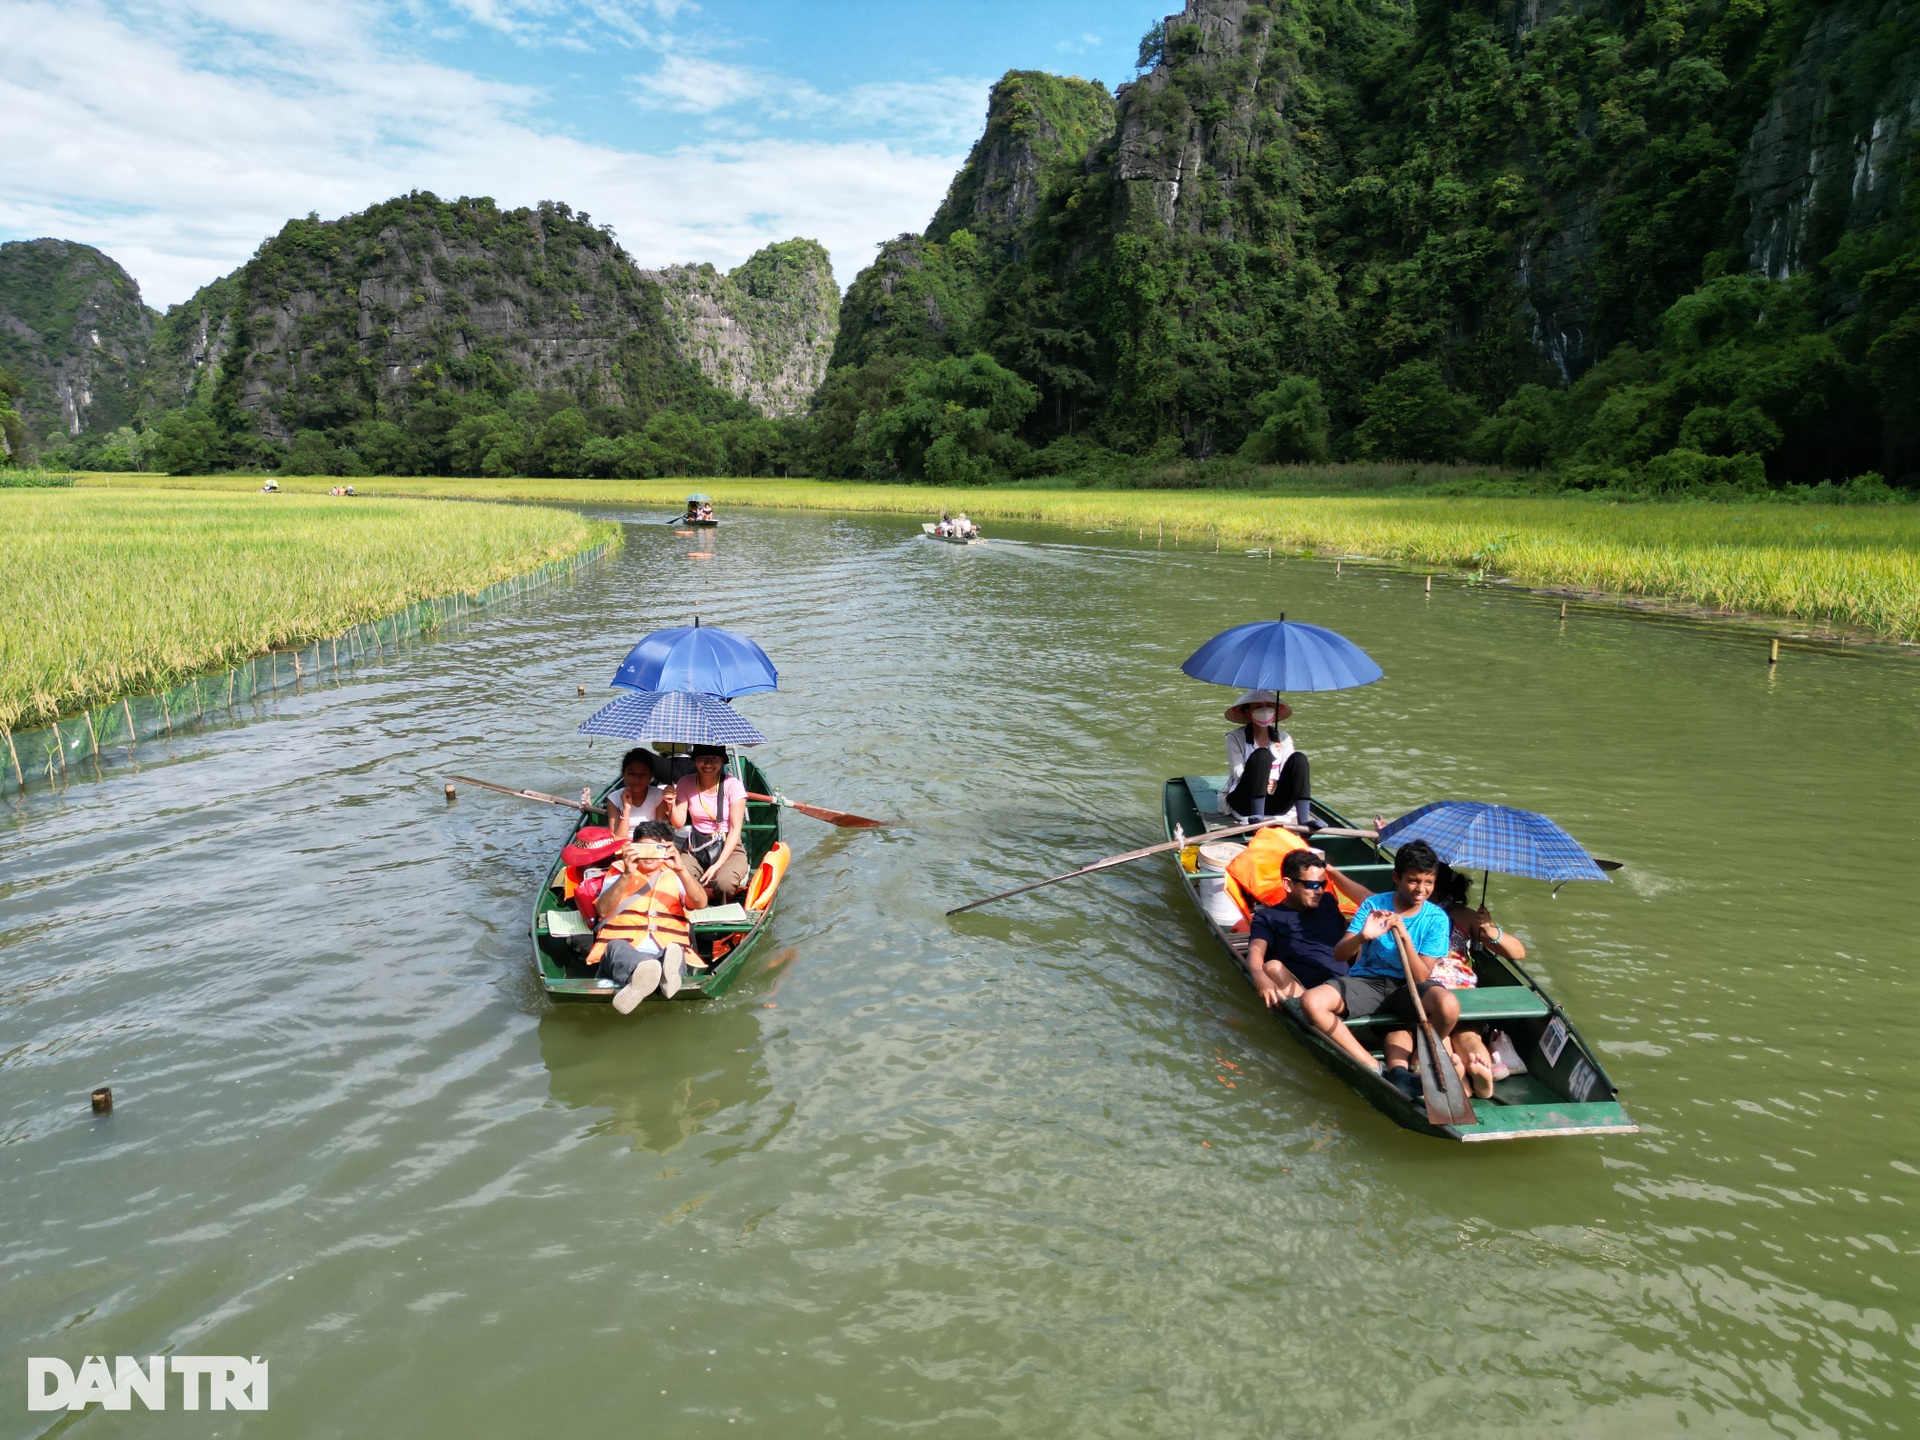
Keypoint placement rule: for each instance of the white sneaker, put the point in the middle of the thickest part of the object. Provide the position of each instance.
(671, 971)
(646, 980)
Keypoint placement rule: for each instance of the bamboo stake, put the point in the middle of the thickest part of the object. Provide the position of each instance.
(127, 710)
(166, 712)
(93, 736)
(20, 774)
(1773, 656)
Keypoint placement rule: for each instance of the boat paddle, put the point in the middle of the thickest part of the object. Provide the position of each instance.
(817, 812)
(832, 817)
(1447, 1102)
(1132, 855)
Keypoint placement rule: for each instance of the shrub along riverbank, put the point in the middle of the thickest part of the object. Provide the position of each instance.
(110, 593)
(1850, 566)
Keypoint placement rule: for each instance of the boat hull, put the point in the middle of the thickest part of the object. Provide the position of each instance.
(558, 960)
(1563, 1090)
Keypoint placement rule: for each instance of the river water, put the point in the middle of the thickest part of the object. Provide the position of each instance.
(1045, 1169)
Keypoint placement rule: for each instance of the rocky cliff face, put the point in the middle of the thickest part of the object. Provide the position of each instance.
(762, 332)
(1507, 190)
(924, 295)
(73, 328)
(1034, 121)
(1824, 159)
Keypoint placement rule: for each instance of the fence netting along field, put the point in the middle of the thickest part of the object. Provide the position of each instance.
(110, 734)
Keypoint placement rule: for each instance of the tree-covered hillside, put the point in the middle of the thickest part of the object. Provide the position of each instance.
(430, 336)
(75, 333)
(1655, 244)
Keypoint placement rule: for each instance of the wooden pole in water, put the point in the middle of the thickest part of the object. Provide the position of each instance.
(1336, 567)
(1563, 609)
(19, 774)
(128, 711)
(103, 1100)
(1773, 655)
(93, 735)
(166, 712)
(1429, 584)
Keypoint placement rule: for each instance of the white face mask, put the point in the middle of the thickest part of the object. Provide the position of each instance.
(1262, 715)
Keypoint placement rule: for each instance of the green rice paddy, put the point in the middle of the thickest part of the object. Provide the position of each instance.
(118, 592)
(1853, 568)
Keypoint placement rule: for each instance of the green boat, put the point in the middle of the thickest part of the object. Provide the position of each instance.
(1563, 1090)
(561, 938)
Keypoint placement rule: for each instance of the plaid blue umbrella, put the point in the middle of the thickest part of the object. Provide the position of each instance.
(1470, 835)
(679, 715)
(1282, 655)
(697, 657)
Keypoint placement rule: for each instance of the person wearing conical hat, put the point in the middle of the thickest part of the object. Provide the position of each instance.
(1266, 774)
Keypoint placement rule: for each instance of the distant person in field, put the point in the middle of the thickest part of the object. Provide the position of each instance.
(1377, 981)
(1266, 773)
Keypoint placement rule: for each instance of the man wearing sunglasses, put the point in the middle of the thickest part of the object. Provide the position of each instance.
(1290, 945)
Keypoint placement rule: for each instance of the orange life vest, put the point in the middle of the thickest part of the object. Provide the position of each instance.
(655, 912)
(1254, 878)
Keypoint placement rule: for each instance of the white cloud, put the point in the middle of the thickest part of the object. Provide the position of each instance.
(178, 142)
(1080, 44)
(686, 82)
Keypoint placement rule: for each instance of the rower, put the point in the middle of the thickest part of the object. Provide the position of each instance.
(1266, 775)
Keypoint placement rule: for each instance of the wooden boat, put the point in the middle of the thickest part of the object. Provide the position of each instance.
(701, 524)
(929, 529)
(561, 939)
(1564, 1089)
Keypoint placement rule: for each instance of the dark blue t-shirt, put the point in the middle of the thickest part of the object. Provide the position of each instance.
(1302, 940)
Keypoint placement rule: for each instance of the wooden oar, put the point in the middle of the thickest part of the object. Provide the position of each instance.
(528, 794)
(1447, 1102)
(1131, 855)
(817, 812)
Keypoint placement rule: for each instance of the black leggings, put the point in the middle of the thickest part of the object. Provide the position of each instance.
(1250, 797)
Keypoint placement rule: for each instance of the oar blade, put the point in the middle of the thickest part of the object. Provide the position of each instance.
(1447, 1102)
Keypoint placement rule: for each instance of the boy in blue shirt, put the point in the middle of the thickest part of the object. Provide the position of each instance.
(1377, 981)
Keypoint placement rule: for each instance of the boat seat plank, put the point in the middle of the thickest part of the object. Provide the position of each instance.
(1477, 1006)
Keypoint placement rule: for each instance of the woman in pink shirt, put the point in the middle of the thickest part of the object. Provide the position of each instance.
(714, 804)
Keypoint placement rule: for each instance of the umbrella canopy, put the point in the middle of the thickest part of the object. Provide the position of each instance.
(1470, 835)
(696, 657)
(698, 499)
(680, 715)
(1282, 655)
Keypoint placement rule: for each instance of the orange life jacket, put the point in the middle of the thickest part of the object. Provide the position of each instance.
(1254, 878)
(657, 912)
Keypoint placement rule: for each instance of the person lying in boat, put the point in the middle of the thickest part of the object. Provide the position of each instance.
(712, 805)
(1377, 981)
(1266, 774)
(1472, 1051)
(1291, 944)
(639, 796)
(642, 942)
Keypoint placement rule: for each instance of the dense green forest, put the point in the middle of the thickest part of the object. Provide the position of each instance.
(1522, 234)
(1653, 246)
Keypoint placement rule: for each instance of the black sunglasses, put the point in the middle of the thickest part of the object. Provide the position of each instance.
(1311, 884)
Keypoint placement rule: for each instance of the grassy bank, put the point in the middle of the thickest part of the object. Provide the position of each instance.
(1854, 567)
(109, 593)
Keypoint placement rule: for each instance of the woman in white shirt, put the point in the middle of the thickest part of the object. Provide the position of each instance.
(1266, 775)
(637, 797)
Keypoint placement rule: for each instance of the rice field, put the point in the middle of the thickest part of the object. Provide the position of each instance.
(119, 592)
(1849, 567)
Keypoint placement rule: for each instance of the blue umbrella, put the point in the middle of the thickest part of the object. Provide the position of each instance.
(1470, 835)
(1282, 655)
(696, 657)
(679, 715)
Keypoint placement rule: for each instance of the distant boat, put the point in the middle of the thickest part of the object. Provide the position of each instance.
(1562, 1089)
(931, 531)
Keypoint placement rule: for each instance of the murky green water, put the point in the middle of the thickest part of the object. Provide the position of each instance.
(1044, 1170)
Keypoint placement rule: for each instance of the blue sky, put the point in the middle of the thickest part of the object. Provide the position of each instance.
(177, 134)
